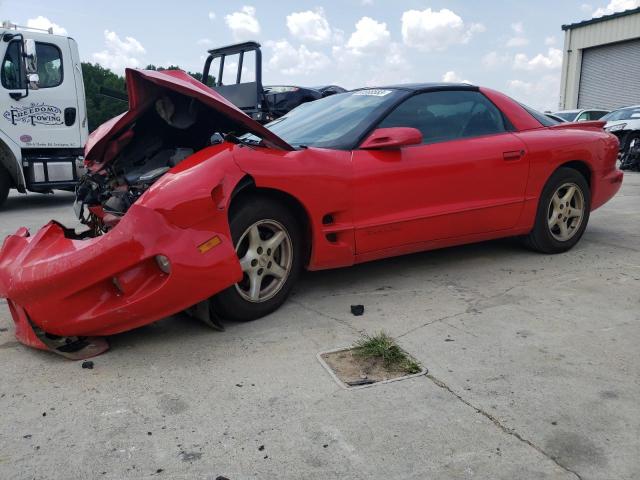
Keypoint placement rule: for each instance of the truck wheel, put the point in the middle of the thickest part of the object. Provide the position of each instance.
(563, 212)
(5, 185)
(268, 242)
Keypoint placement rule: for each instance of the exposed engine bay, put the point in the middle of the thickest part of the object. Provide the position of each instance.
(171, 128)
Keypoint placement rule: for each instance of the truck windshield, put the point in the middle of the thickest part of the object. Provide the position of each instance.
(335, 122)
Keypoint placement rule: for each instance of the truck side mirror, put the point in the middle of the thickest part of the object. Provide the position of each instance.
(30, 56)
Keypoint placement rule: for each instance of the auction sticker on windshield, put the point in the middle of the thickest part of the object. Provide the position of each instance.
(373, 92)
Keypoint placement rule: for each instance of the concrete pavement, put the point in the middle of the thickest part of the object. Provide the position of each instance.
(534, 373)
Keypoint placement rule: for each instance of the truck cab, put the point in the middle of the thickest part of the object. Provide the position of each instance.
(43, 127)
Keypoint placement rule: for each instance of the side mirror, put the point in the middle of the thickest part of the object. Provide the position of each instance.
(392, 138)
(30, 56)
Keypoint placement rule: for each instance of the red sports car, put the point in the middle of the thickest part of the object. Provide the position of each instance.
(191, 205)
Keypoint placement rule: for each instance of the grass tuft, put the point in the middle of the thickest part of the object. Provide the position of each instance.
(385, 347)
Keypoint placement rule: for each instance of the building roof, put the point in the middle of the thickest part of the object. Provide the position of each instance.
(604, 18)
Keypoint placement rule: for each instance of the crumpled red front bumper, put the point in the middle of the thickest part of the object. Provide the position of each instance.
(113, 283)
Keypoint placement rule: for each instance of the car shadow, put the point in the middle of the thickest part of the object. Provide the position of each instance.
(32, 201)
(181, 328)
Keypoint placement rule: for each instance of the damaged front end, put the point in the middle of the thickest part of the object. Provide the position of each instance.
(154, 200)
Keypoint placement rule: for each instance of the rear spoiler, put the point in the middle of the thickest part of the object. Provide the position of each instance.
(591, 125)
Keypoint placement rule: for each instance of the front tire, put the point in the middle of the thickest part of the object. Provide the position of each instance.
(268, 242)
(5, 185)
(563, 213)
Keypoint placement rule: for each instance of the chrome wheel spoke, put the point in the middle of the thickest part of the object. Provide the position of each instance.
(277, 271)
(568, 196)
(275, 241)
(255, 283)
(254, 238)
(245, 263)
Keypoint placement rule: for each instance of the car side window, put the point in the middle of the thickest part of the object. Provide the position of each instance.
(447, 115)
(597, 114)
(12, 72)
(49, 65)
(583, 117)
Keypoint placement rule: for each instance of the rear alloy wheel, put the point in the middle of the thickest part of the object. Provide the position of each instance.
(5, 185)
(268, 243)
(563, 212)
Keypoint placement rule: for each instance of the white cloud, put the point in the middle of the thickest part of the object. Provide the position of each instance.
(369, 36)
(519, 40)
(309, 26)
(45, 24)
(436, 30)
(243, 24)
(494, 59)
(119, 53)
(289, 60)
(212, 15)
(542, 94)
(552, 40)
(453, 77)
(585, 7)
(551, 61)
(616, 6)
(207, 42)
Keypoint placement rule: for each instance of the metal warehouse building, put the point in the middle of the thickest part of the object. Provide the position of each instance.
(601, 62)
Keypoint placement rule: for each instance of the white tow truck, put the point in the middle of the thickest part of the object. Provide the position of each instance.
(43, 127)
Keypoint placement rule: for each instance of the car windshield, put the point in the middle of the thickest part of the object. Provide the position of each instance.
(568, 116)
(336, 122)
(631, 113)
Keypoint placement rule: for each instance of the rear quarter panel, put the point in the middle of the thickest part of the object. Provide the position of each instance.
(550, 148)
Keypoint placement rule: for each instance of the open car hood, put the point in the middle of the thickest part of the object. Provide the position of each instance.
(142, 89)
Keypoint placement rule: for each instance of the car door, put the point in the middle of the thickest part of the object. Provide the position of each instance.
(47, 116)
(468, 176)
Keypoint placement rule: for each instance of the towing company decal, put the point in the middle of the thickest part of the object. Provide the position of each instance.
(35, 114)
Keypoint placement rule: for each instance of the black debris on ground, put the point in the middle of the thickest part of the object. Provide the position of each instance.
(449, 340)
(363, 381)
(44, 414)
(357, 310)
(3, 329)
(325, 445)
(160, 470)
(149, 433)
(261, 448)
(88, 364)
(27, 436)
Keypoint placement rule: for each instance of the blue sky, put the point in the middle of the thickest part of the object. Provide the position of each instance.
(515, 46)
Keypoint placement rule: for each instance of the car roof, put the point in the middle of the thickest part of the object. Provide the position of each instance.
(421, 87)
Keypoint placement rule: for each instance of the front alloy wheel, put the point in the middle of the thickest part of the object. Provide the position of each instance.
(265, 251)
(269, 245)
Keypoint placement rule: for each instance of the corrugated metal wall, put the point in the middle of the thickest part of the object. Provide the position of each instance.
(610, 76)
(580, 38)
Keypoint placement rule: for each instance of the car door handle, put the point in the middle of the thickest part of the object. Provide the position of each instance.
(513, 155)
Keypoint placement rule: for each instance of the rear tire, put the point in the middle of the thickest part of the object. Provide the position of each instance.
(268, 241)
(5, 185)
(563, 213)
